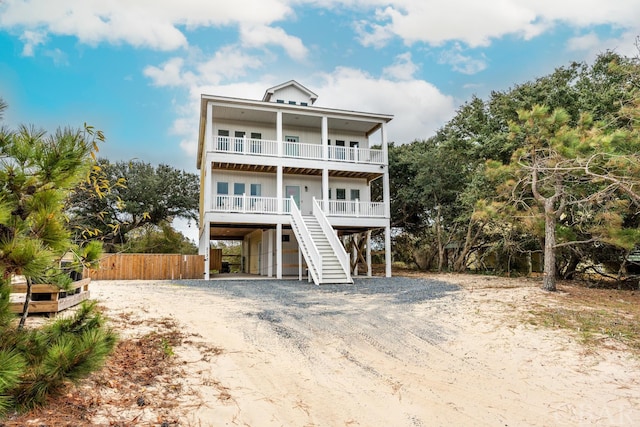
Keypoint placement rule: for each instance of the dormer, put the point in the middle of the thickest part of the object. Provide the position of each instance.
(290, 92)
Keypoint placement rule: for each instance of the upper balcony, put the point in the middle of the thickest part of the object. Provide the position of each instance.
(296, 150)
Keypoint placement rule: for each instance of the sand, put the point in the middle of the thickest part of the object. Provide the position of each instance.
(466, 358)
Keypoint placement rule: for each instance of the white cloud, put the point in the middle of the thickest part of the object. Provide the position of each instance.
(592, 44)
(402, 69)
(141, 23)
(31, 39)
(462, 63)
(418, 106)
(476, 23)
(262, 35)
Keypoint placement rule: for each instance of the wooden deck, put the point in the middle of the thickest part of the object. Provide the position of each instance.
(49, 299)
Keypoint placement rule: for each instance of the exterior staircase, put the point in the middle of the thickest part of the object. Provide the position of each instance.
(327, 261)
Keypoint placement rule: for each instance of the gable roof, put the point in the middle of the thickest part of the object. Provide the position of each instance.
(269, 93)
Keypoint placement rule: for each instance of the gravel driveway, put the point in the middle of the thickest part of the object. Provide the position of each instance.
(381, 352)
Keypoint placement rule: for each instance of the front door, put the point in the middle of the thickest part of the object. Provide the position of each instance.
(293, 190)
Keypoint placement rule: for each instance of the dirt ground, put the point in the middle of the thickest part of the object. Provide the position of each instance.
(288, 354)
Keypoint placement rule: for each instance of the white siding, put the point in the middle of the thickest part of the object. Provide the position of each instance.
(348, 184)
(291, 93)
(266, 180)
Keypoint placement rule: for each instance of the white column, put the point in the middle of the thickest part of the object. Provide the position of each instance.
(279, 132)
(325, 138)
(387, 250)
(208, 130)
(270, 253)
(279, 251)
(325, 190)
(354, 253)
(369, 273)
(386, 192)
(299, 263)
(279, 189)
(206, 245)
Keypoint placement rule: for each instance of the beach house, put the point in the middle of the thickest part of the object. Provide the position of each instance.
(295, 182)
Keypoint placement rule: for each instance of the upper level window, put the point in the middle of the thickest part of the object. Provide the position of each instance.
(292, 102)
(304, 104)
(355, 194)
(223, 188)
(222, 140)
(341, 194)
(280, 101)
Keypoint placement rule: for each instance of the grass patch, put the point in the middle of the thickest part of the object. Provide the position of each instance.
(599, 317)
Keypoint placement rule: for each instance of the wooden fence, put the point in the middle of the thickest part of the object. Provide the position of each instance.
(147, 267)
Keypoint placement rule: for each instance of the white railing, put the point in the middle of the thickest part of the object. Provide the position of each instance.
(302, 151)
(309, 249)
(329, 232)
(228, 144)
(269, 205)
(245, 204)
(355, 208)
(264, 147)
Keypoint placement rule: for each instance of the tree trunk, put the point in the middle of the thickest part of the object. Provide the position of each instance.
(439, 241)
(549, 283)
(25, 307)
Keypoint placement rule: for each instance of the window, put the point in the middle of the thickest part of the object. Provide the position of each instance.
(286, 238)
(223, 188)
(355, 194)
(238, 141)
(291, 147)
(341, 194)
(280, 101)
(255, 145)
(354, 151)
(292, 102)
(304, 104)
(256, 190)
(340, 150)
(222, 142)
(238, 190)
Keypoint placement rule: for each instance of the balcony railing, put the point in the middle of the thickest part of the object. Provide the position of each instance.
(299, 150)
(269, 205)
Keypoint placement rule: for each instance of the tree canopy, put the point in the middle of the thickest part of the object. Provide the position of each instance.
(573, 132)
(134, 194)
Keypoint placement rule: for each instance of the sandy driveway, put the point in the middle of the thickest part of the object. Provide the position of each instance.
(399, 352)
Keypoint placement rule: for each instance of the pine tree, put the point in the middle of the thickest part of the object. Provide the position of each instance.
(37, 173)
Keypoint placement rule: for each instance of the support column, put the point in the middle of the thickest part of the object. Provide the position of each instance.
(208, 130)
(369, 273)
(205, 246)
(299, 263)
(279, 189)
(387, 250)
(354, 253)
(279, 251)
(279, 132)
(386, 192)
(325, 138)
(325, 191)
(270, 253)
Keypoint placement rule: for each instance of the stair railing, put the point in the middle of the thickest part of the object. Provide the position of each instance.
(337, 247)
(309, 249)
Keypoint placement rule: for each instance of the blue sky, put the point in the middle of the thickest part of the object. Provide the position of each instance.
(136, 68)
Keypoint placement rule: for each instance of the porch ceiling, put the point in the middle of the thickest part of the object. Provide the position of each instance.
(297, 116)
(234, 231)
(288, 170)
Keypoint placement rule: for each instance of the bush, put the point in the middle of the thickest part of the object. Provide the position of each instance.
(37, 363)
